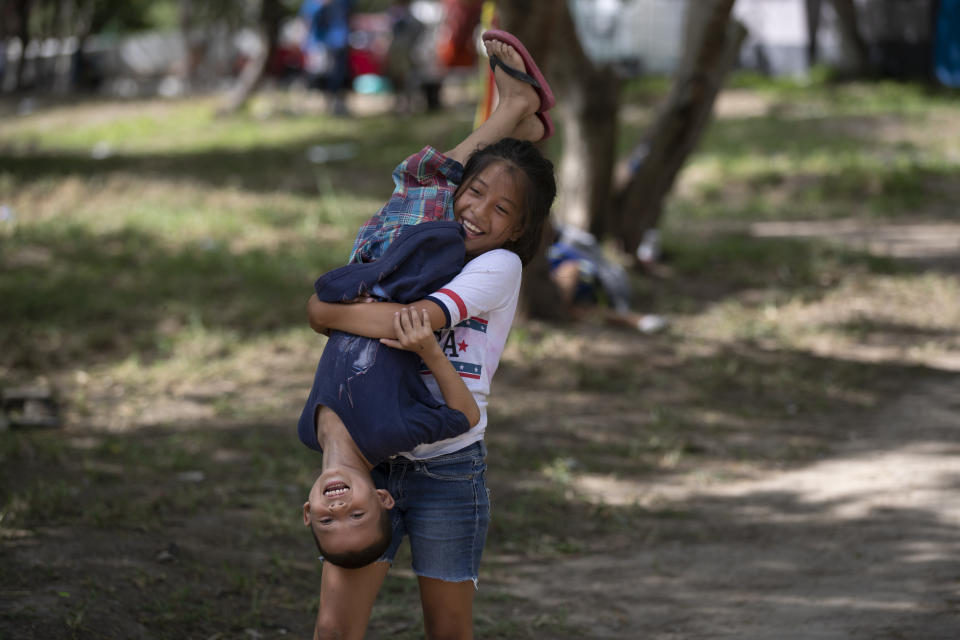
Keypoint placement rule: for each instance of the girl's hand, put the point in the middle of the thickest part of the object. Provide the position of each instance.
(413, 332)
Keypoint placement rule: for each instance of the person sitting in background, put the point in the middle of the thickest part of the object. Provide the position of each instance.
(589, 281)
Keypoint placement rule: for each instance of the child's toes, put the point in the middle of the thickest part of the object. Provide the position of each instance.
(509, 55)
(509, 87)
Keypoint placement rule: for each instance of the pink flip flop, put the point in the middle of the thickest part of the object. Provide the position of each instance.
(533, 76)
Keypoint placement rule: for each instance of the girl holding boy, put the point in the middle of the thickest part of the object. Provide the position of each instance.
(499, 189)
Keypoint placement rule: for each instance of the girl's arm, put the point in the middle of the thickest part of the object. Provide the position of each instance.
(371, 320)
(412, 327)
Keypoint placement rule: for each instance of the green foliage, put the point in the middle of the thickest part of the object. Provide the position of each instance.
(119, 17)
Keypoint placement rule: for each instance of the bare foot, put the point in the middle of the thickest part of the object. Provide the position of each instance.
(514, 95)
(530, 128)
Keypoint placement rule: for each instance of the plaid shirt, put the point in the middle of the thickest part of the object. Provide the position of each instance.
(425, 186)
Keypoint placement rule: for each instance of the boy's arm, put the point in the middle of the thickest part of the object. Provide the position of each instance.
(371, 320)
(414, 334)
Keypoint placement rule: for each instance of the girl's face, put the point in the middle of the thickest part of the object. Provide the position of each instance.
(490, 208)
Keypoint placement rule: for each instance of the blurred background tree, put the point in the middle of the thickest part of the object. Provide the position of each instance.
(590, 197)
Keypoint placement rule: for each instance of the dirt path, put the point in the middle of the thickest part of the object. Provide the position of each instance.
(863, 543)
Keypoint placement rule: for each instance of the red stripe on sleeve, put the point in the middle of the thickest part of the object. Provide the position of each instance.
(462, 308)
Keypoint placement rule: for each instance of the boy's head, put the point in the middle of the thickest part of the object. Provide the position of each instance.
(505, 197)
(349, 517)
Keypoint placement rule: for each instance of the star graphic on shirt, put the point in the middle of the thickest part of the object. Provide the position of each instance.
(463, 345)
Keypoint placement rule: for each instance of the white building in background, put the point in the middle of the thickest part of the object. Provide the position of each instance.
(646, 36)
(777, 36)
(898, 34)
(640, 36)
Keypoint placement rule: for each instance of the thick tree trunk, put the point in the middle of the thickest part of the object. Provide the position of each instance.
(253, 73)
(63, 69)
(588, 118)
(586, 113)
(193, 41)
(849, 24)
(23, 33)
(712, 44)
(813, 8)
(535, 23)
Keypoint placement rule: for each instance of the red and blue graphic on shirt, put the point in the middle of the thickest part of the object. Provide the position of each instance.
(455, 347)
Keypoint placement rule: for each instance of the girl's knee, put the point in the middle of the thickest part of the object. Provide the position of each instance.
(332, 628)
(328, 630)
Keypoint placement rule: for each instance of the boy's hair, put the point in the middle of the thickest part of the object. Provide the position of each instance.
(361, 557)
(540, 187)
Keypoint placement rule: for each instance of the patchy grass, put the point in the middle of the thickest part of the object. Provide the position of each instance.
(824, 150)
(154, 264)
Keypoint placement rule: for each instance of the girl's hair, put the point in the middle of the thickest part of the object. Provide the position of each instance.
(539, 186)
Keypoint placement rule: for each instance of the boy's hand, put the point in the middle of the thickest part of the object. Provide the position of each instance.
(413, 332)
(315, 314)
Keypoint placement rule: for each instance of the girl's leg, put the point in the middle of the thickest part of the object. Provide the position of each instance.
(517, 101)
(446, 513)
(346, 600)
(530, 129)
(447, 609)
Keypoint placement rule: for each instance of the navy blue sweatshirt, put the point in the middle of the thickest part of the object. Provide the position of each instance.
(378, 391)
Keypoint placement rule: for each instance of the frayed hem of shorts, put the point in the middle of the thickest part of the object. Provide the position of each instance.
(475, 580)
(383, 560)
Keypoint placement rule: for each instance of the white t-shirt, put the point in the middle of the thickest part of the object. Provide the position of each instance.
(479, 303)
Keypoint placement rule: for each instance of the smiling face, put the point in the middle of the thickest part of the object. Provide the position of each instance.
(344, 510)
(490, 207)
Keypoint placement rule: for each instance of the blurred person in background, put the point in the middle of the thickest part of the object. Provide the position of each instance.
(326, 57)
(591, 284)
(456, 44)
(402, 62)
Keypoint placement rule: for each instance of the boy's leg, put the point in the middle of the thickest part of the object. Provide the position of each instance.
(529, 129)
(447, 608)
(346, 600)
(517, 101)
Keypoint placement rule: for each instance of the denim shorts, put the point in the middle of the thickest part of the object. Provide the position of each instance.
(443, 506)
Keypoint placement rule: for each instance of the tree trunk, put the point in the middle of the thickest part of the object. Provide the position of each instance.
(712, 44)
(253, 73)
(850, 31)
(63, 69)
(588, 117)
(83, 27)
(586, 113)
(535, 22)
(813, 29)
(193, 42)
(23, 32)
